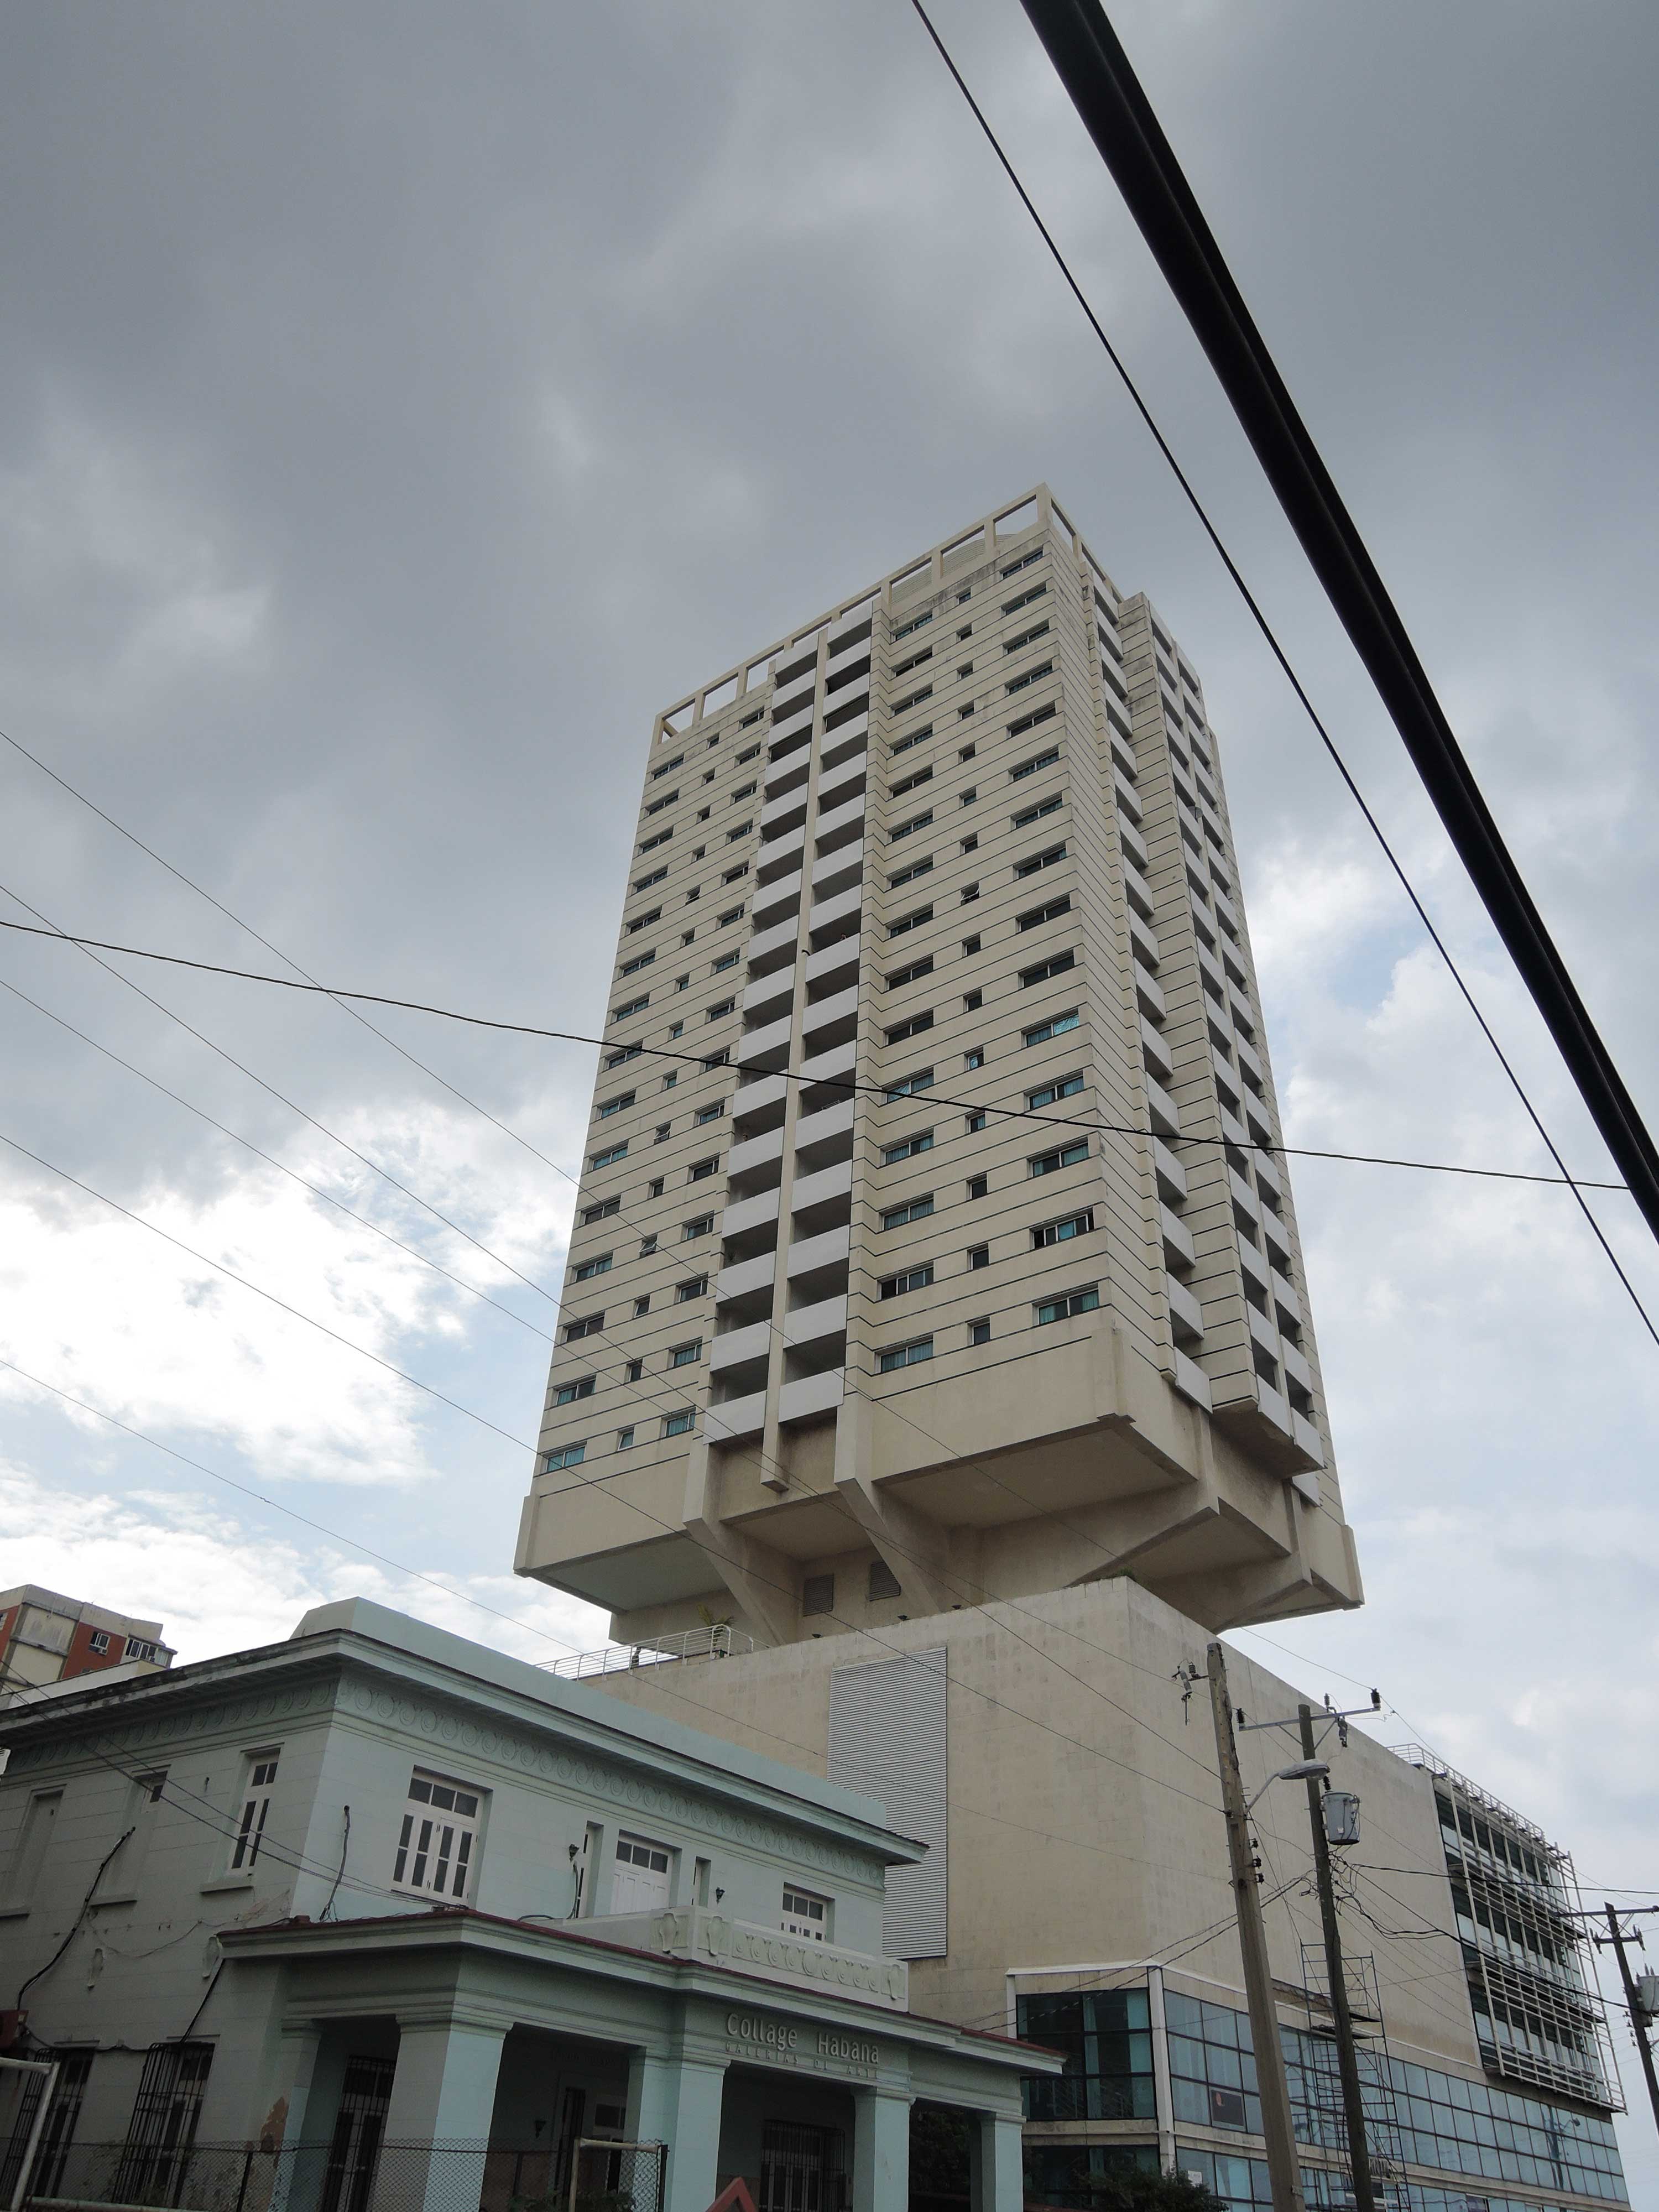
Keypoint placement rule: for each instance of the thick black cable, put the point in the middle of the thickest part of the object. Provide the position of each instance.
(1109, 97)
(86, 1905)
(815, 1082)
(1297, 686)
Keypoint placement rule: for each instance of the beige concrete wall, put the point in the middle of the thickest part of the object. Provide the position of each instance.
(1084, 1811)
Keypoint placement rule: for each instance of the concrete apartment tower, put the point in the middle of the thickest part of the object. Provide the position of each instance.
(935, 1378)
(937, 1266)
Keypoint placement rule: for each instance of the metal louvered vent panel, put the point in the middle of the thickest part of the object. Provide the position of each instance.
(887, 1737)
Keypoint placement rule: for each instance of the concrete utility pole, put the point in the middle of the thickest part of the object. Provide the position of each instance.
(1347, 2059)
(1284, 2171)
(1638, 2017)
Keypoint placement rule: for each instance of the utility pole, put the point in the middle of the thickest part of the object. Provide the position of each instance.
(1347, 2060)
(1284, 2173)
(1616, 1937)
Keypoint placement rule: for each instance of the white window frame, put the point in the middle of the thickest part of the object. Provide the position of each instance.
(438, 1843)
(798, 1917)
(259, 1770)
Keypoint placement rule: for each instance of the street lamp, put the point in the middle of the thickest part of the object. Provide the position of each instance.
(1305, 1770)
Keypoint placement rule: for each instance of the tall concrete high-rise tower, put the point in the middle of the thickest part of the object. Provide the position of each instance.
(925, 1254)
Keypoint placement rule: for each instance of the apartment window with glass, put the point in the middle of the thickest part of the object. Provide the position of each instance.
(908, 1147)
(912, 1209)
(979, 1332)
(686, 1355)
(905, 1355)
(438, 1841)
(1066, 1086)
(261, 1781)
(693, 1288)
(589, 1325)
(1064, 1156)
(1056, 1025)
(599, 1265)
(565, 1455)
(1063, 1308)
(1062, 1231)
(679, 1424)
(912, 1278)
(580, 1386)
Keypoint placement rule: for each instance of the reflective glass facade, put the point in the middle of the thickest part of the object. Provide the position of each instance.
(1492, 2136)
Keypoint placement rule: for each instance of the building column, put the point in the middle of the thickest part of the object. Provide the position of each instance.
(881, 2151)
(998, 2166)
(438, 2118)
(306, 2077)
(678, 2102)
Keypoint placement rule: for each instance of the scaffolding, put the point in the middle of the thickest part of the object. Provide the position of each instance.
(1538, 2018)
(1323, 2121)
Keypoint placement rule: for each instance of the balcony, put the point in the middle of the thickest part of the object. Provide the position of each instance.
(1185, 1314)
(1306, 1435)
(833, 968)
(766, 1047)
(1177, 1242)
(843, 825)
(831, 1022)
(790, 703)
(836, 787)
(770, 997)
(1263, 1332)
(782, 858)
(736, 1418)
(1243, 1197)
(822, 1138)
(745, 1215)
(1285, 1299)
(811, 1397)
(851, 660)
(839, 1062)
(1157, 1052)
(1164, 1113)
(739, 1346)
(777, 899)
(1190, 1380)
(1225, 909)
(1147, 993)
(838, 917)
(757, 1106)
(791, 764)
(1171, 1174)
(816, 1266)
(753, 1152)
(835, 871)
(773, 947)
(1252, 1264)
(1142, 941)
(746, 1282)
(706, 1938)
(849, 736)
(1135, 887)
(808, 1324)
(1130, 838)
(755, 1163)
(823, 1200)
(1128, 801)
(1247, 1059)
(1297, 1367)
(787, 811)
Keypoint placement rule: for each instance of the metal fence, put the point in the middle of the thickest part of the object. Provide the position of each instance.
(358, 2175)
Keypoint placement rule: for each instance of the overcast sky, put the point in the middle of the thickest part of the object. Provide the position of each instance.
(399, 405)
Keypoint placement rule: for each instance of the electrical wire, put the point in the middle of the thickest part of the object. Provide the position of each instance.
(248, 1283)
(1283, 659)
(339, 993)
(85, 1906)
(271, 1160)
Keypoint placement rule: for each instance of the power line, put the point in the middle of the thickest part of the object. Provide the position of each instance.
(333, 1135)
(271, 1160)
(873, 1089)
(1630, 1160)
(298, 1314)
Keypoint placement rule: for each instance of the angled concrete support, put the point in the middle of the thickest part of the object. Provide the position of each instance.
(912, 1546)
(760, 1580)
